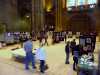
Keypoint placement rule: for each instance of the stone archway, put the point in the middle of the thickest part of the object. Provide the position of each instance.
(82, 22)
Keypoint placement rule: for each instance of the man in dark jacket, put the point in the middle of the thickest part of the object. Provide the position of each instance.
(76, 56)
(73, 44)
(67, 51)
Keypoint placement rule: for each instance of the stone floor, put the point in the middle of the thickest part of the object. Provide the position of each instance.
(55, 60)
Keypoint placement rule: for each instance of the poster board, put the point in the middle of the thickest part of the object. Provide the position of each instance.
(88, 41)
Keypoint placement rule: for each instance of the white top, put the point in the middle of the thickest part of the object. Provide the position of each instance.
(41, 54)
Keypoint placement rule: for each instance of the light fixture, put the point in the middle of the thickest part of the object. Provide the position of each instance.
(27, 16)
(48, 8)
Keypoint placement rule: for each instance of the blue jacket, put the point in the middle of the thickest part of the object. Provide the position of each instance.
(28, 46)
(41, 54)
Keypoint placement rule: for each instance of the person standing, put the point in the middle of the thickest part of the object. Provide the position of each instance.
(41, 56)
(46, 39)
(65, 38)
(67, 51)
(76, 56)
(21, 39)
(28, 46)
(73, 44)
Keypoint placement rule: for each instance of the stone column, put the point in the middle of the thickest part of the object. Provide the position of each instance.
(37, 15)
(8, 13)
(97, 15)
(2, 13)
(58, 15)
(64, 3)
(98, 3)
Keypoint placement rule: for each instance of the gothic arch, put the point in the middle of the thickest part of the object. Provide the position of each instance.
(82, 22)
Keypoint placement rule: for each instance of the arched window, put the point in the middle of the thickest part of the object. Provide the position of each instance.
(75, 3)
(81, 2)
(70, 3)
(92, 1)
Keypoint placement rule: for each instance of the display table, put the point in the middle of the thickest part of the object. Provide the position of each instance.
(19, 54)
(85, 66)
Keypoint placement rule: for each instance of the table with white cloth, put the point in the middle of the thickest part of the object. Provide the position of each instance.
(19, 54)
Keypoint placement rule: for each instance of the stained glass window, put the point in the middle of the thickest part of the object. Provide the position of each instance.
(79, 2)
(70, 3)
(92, 1)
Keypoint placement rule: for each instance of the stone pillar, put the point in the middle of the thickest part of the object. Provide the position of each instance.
(98, 3)
(37, 15)
(58, 15)
(44, 3)
(13, 15)
(2, 13)
(97, 16)
(8, 14)
(63, 3)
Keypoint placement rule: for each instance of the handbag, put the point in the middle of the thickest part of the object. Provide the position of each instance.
(46, 66)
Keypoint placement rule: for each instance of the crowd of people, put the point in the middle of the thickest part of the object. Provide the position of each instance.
(40, 53)
(77, 51)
